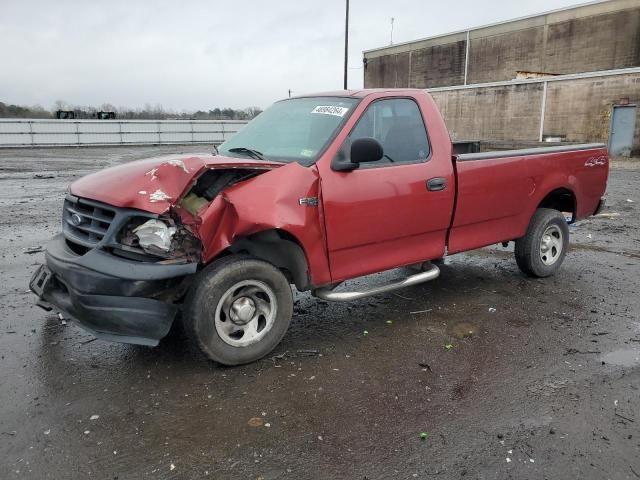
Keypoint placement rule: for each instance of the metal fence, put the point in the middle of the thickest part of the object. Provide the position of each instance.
(38, 132)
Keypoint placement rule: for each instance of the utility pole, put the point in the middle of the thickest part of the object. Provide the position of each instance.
(391, 40)
(346, 44)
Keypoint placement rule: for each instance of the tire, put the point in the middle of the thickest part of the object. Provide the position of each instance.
(543, 248)
(238, 309)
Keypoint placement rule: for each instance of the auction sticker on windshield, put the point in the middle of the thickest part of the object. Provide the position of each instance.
(330, 110)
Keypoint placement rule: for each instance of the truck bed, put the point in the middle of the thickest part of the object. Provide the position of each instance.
(497, 196)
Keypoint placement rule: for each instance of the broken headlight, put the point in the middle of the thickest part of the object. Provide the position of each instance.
(155, 234)
(159, 237)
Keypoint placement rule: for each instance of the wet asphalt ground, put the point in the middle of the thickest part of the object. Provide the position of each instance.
(505, 376)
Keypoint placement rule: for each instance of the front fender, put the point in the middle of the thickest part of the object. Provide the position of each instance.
(267, 202)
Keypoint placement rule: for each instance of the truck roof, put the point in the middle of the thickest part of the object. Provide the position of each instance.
(361, 93)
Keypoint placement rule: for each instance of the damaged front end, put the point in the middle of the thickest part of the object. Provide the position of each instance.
(112, 281)
(123, 263)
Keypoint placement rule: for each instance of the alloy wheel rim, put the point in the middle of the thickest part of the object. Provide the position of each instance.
(551, 245)
(245, 313)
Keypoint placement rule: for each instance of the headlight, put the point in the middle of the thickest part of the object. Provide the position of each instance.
(155, 233)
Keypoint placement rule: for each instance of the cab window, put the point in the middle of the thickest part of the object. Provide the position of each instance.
(397, 124)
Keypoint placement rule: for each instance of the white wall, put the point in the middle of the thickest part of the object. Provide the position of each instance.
(39, 132)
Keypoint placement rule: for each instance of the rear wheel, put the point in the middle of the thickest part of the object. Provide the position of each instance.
(238, 309)
(543, 248)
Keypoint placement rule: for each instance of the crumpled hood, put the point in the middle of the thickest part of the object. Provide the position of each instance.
(154, 184)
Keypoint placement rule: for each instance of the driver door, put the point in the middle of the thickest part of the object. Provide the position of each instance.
(382, 215)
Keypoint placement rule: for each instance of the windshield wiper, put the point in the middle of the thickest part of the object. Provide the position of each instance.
(251, 152)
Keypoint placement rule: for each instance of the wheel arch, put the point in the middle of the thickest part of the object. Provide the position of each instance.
(562, 199)
(279, 248)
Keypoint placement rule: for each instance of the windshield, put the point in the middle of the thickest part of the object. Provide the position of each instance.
(296, 130)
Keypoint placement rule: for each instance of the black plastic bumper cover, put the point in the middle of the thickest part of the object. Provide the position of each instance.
(113, 305)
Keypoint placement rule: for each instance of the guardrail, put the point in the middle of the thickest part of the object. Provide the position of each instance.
(40, 133)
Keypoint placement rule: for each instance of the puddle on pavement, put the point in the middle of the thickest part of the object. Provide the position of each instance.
(486, 252)
(624, 358)
(597, 248)
(463, 330)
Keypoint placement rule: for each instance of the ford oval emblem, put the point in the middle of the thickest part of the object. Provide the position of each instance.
(76, 220)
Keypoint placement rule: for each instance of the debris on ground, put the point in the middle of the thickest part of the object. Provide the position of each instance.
(425, 365)
(573, 351)
(448, 346)
(275, 358)
(401, 296)
(462, 330)
(365, 332)
(308, 352)
(424, 435)
(420, 311)
(492, 310)
(94, 417)
(623, 417)
(32, 250)
(255, 422)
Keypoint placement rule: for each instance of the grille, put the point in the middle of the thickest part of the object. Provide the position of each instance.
(86, 222)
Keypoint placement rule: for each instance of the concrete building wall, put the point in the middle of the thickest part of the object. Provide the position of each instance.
(601, 42)
(578, 109)
(438, 65)
(392, 71)
(581, 109)
(493, 113)
(499, 57)
(600, 36)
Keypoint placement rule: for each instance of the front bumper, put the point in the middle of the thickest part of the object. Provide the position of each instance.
(114, 298)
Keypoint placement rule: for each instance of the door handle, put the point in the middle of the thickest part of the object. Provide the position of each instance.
(436, 184)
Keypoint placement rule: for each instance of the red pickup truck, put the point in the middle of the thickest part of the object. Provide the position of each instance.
(316, 190)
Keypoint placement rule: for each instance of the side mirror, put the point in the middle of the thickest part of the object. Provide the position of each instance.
(366, 150)
(352, 154)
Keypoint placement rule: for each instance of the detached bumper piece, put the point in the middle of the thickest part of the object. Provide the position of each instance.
(115, 299)
(600, 206)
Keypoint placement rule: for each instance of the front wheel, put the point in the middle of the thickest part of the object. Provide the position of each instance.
(543, 248)
(238, 309)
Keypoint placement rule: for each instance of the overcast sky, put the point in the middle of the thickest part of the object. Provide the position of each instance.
(193, 54)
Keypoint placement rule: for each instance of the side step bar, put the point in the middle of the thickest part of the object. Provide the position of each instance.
(329, 294)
